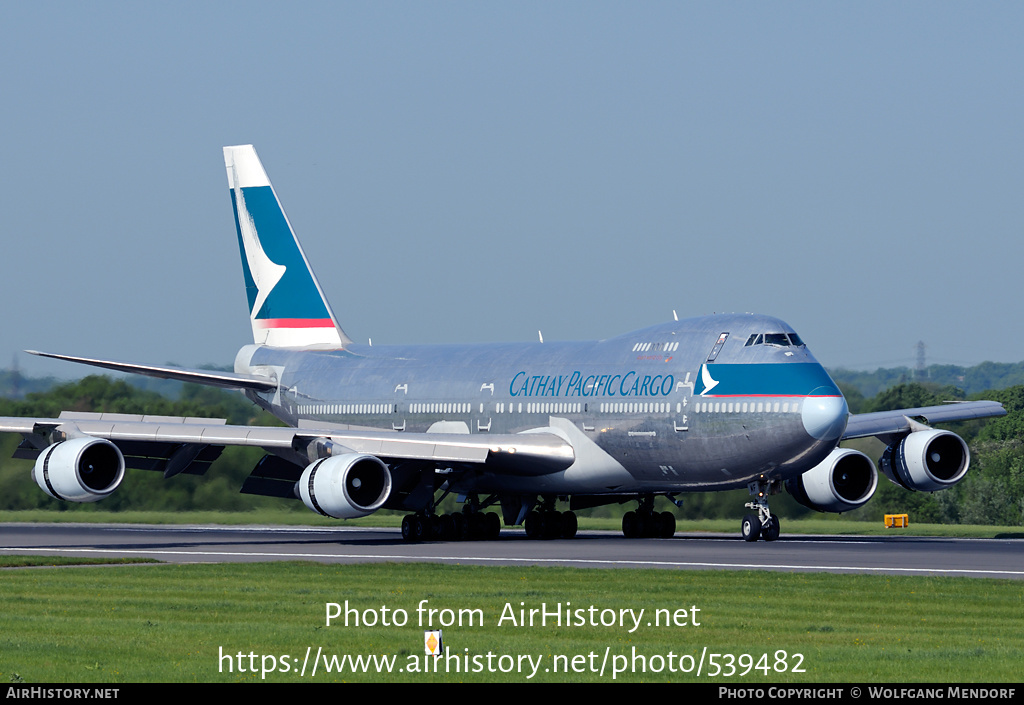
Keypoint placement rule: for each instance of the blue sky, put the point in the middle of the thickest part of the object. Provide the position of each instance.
(464, 172)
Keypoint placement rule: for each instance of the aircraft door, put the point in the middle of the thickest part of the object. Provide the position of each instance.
(718, 347)
(482, 411)
(399, 407)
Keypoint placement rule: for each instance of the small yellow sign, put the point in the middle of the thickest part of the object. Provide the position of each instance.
(897, 521)
(433, 643)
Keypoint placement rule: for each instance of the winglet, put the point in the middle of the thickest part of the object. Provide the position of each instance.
(287, 307)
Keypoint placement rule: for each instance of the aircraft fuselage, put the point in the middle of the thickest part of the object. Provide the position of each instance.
(692, 405)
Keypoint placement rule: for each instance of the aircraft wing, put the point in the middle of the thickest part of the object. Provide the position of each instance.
(171, 443)
(902, 421)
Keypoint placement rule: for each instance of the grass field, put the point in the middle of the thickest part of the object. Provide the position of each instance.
(253, 622)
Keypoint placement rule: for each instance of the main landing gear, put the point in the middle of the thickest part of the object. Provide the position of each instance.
(645, 523)
(460, 526)
(764, 524)
(549, 523)
(471, 524)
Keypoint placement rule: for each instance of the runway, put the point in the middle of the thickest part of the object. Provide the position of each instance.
(892, 555)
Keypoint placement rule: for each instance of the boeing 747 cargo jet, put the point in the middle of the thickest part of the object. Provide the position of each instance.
(713, 403)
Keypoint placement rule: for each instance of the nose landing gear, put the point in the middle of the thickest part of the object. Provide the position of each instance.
(764, 524)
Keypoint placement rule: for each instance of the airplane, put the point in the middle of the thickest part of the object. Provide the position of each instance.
(703, 404)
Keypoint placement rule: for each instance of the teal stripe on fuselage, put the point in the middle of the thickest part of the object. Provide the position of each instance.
(768, 380)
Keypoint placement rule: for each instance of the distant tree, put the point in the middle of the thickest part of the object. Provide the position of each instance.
(912, 394)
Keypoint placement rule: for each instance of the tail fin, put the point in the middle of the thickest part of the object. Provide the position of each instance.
(287, 308)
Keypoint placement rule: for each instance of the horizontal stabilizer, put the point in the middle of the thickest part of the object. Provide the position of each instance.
(228, 380)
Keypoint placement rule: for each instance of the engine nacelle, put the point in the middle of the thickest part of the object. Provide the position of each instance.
(843, 481)
(926, 460)
(345, 486)
(79, 470)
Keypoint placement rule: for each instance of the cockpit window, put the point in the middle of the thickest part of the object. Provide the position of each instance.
(783, 340)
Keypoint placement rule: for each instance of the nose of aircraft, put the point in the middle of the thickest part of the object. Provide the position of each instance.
(825, 417)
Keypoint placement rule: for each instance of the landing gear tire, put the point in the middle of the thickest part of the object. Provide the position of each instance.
(751, 527)
(630, 526)
(407, 531)
(666, 525)
(532, 524)
(550, 524)
(648, 525)
(414, 527)
(493, 525)
(461, 526)
(447, 527)
(568, 525)
(763, 524)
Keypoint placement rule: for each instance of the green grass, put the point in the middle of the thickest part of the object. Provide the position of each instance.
(829, 525)
(57, 561)
(171, 623)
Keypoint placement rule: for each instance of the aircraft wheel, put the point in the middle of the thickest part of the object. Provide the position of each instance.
(630, 527)
(751, 527)
(414, 528)
(461, 526)
(770, 531)
(551, 524)
(493, 525)
(568, 525)
(477, 526)
(408, 534)
(432, 527)
(420, 527)
(667, 525)
(532, 524)
(447, 527)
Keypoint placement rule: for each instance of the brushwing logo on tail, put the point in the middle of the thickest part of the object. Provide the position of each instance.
(264, 272)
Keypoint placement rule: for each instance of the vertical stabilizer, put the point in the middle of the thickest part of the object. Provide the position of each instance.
(287, 308)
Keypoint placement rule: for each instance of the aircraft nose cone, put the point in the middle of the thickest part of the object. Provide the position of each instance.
(825, 417)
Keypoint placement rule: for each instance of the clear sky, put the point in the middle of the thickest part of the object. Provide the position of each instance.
(476, 171)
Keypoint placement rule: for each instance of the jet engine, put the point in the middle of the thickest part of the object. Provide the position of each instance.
(926, 460)
(345, 486)
(843, 481)
(79, 470)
